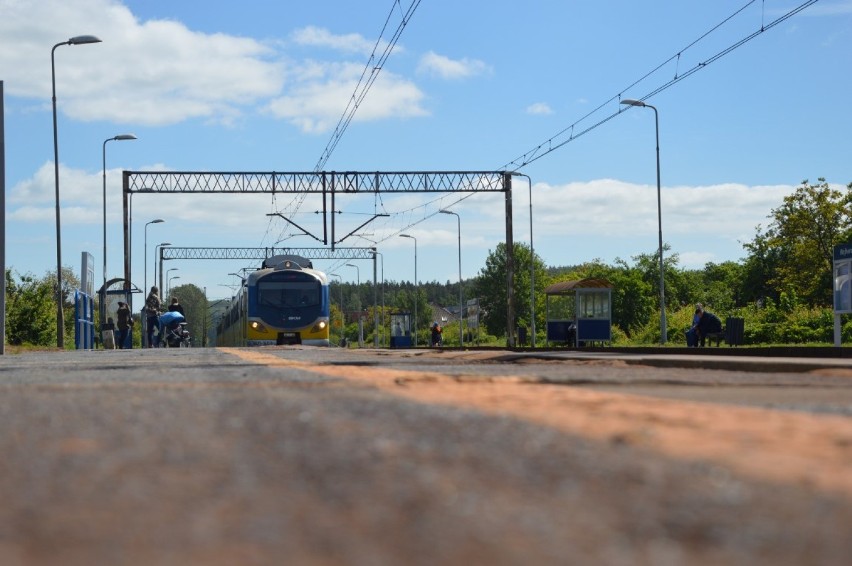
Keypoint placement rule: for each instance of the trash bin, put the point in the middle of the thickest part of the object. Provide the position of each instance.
(522, 335)
(734, 330)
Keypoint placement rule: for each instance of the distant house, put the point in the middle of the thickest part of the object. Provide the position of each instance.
(443, 315)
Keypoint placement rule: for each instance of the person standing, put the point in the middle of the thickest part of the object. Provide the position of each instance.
(175, 306)
(124, 323)
(152, 315)
(437, 339)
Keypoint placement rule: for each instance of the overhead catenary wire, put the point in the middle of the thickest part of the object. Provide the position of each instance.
(373, 67)
(574, 130)
(580, 128)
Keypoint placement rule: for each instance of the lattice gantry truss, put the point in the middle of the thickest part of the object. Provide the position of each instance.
(316, 182)
(174, 252)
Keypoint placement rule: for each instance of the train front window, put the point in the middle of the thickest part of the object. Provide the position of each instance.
(289, 293)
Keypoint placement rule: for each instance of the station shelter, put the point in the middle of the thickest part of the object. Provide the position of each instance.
(579, 312)
(400, 330)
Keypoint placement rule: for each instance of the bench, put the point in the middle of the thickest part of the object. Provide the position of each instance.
(717, 336)
(731, 333)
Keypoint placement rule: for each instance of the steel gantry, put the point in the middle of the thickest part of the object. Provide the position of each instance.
(329, 185)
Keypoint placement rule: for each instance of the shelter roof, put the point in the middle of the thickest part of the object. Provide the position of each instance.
(564, 287)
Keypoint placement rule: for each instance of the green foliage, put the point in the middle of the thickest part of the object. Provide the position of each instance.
(795, 254)
(195, 309)
(490, 288)
(30, 310)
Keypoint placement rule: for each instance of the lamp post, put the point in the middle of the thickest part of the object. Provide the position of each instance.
(632, 102)
(342, 315)
(120, 137)
(532, 263)
(145, 255)
(416, 287)
(165, 296)
(360, 318)
(379, 327)
(158, 264)
(382, 258)
(357, 271)
(461, 301)
(172, 279)
(60, 315)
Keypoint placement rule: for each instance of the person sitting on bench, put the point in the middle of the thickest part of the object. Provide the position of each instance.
(708, 323)
(692, 333)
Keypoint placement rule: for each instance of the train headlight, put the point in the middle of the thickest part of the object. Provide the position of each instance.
(319, 327)
(257, 326)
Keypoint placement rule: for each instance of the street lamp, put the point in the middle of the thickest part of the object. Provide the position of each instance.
(158, 265)
(382, 327)
(342, 314)
(461, 301)
(120, 137)
(172, 279)
(379, 328)
(145, 255)
(532, 263)
(60, 315)
(358, 271)
(416, 287)
(360, 318)
(165, 296)
(632, 102)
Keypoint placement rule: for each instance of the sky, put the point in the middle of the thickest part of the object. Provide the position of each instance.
(478, 85)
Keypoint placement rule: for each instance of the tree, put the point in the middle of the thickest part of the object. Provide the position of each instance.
(195, 309)
(760, 268)
(30, 310)
(490, 288)
(800, 241)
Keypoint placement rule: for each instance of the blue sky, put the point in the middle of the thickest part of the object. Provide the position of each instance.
(473, 85)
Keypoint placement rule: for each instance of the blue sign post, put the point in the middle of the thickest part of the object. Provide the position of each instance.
(842, 287)
(84, 321)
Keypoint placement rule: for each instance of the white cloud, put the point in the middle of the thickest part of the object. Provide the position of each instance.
(320, 92)
(608, 207)
(540, 108)
(160, 72)
(155, 72)
(313, 36)
(441, 66)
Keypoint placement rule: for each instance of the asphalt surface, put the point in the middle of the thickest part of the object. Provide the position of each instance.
(325, 456)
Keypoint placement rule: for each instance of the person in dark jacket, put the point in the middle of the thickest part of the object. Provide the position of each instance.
(125, 321)
(708, 323)
(437, 339)
(176, 306)
(692, 333)
(152, 316)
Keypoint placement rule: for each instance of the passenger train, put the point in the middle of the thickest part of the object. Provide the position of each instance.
(283, 302)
